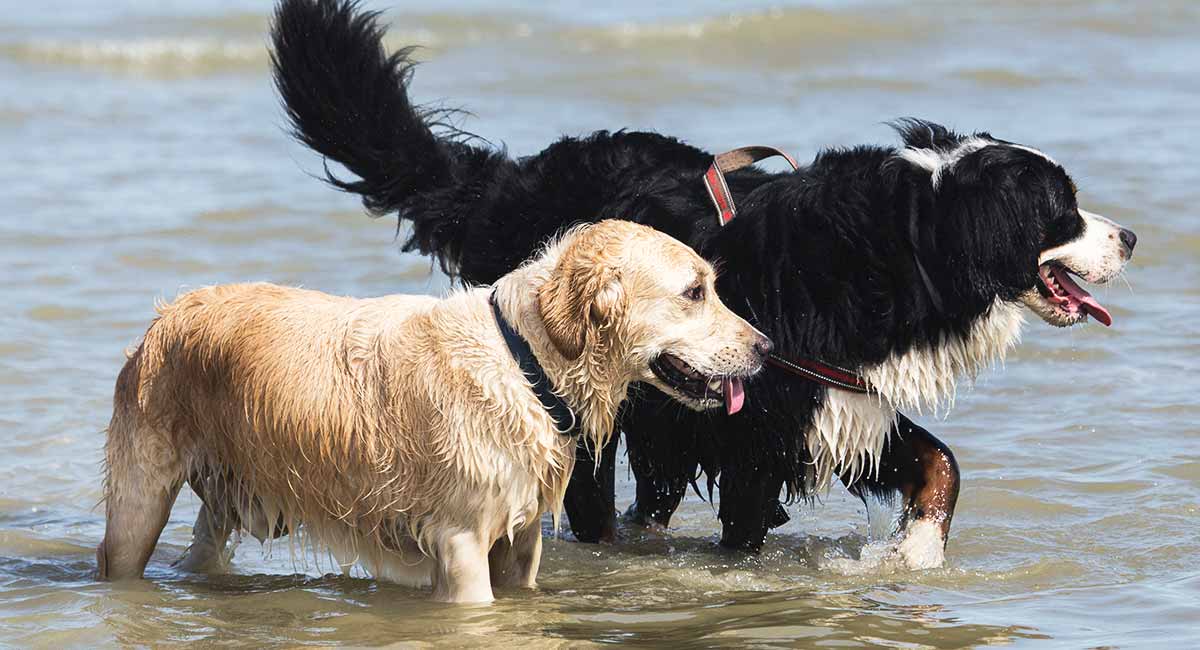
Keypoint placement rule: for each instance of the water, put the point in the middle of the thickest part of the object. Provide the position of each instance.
(144, 153)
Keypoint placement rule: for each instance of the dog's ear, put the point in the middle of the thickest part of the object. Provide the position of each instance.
(584, 296)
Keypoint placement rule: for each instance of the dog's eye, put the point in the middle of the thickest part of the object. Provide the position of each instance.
(695, 293)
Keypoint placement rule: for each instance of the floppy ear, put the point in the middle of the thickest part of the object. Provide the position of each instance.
(583, 297)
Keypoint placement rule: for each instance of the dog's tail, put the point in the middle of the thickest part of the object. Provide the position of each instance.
(347, 99)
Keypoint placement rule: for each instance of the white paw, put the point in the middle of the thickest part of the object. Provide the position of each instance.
(922, 546)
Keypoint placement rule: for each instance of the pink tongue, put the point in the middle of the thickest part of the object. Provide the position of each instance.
(1085, 299)
(735, 396)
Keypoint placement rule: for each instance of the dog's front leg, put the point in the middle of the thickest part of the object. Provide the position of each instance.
(461, 574)
(516, 564)
(923, 471)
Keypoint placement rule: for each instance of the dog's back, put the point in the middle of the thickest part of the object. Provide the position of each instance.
(291, 365)
(284, 355)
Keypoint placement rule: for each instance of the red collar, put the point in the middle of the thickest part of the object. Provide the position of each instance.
(714, 179)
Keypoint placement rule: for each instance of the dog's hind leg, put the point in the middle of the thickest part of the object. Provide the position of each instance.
(210, 534)
(591, 495)
(922, 470)
(137, 504)
(143, 477)
(461, 574)
(516, 564)
(664, 450)
(657, 498)
(749, 507)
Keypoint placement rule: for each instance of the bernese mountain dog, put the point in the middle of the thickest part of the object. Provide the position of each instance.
(912, 265)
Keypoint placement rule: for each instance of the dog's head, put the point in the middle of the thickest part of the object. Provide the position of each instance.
(1009, 215)
(627, 298)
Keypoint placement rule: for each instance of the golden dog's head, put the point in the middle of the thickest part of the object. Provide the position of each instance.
(626, 298)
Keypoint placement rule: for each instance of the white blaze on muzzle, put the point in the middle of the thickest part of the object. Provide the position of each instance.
(1096, 255)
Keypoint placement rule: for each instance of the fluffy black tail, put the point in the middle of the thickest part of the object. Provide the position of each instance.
(346, 98)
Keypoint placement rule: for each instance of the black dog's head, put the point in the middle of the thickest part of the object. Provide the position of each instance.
(1009, 224)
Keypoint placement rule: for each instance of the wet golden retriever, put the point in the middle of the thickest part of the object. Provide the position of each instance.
(399, 433)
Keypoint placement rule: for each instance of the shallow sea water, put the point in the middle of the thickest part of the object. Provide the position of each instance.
(144, 153)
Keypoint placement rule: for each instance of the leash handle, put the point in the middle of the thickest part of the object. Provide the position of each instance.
(714, 178)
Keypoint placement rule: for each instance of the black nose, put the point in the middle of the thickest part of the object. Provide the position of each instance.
(763, 346)
(1129, 239)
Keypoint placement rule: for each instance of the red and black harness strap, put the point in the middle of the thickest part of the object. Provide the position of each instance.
(714, 179)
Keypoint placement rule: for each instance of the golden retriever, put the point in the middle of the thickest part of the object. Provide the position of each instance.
(400, 431)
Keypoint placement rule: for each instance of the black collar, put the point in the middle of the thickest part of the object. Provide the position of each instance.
(562, 415)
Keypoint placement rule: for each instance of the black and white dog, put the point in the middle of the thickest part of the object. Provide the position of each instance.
(912, 265)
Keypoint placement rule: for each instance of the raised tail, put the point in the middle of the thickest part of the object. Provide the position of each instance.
(347, 99)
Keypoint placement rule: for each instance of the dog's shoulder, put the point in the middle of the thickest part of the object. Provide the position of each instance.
(456, 344)
(460, 331)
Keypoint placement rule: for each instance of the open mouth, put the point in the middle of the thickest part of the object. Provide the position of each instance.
(692, 383)
(1059, 289)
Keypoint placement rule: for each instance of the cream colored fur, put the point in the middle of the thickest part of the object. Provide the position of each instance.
(397, 433)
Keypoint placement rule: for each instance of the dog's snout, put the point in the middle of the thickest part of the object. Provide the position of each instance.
(1129, 239)
(763, 346)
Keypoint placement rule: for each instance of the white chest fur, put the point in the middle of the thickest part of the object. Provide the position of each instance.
(849, 429)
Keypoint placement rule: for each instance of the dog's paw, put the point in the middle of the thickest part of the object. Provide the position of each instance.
(635, 517)
(922, 546)
(202, 556)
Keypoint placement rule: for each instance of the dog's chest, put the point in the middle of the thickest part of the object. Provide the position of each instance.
(847, 435)
(849, 430)
(926, 376)
(533, 483)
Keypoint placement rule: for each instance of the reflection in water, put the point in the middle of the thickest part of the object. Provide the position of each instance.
(261, 609)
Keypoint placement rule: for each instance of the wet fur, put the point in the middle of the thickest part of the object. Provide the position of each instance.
(908, 263)
(397, 433)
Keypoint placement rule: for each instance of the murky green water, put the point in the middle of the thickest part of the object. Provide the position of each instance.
(143, 153)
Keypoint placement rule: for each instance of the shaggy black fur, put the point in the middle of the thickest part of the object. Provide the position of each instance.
(828, 261)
